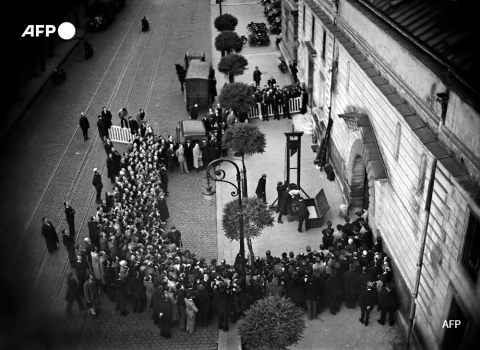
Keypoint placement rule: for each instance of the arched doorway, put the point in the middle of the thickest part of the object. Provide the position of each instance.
(359, 197)
(361, 185)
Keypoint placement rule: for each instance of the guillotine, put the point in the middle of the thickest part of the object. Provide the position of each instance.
(317, 206)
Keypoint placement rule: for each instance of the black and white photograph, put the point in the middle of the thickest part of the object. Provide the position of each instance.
(240, 175)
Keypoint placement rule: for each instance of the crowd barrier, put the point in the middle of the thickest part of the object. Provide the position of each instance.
(295, 105)
(119, 134)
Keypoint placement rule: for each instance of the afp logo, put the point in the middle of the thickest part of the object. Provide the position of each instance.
(66, 30)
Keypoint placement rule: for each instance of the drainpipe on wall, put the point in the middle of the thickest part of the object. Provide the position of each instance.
(421, 254)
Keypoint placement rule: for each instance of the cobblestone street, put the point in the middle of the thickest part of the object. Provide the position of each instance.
(48, 163)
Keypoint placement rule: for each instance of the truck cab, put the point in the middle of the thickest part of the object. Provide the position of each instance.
(193, 130)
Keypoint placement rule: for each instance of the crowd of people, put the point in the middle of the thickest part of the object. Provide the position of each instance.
(273, 96)
(138, 263)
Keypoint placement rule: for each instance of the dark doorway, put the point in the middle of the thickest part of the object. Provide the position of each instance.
(311, 68)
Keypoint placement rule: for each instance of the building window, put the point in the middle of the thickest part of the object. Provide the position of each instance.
(324, 42)
(348, 75)
(303, 22)
(313, 30)
(421, 174)
(471, 250)
(398, 136)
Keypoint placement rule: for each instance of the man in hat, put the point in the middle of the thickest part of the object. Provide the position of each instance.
(163, 309)
(175, 236)
(221, 305)
(92, 296)
(281, 187)
(70, 216)
(350, 286)
(102, 130)
(388, 304)
(73, 293)
(303, 214)
(97, 183)
(69, 243)
(84, 125)
(261, 188)
(333, 291)
(51, 238)
(367, 301)
(257, 76)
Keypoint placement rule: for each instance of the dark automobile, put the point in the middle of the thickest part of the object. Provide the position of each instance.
(102, 13)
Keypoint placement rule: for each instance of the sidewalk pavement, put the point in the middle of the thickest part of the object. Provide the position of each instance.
(34, 86)
(342, 331)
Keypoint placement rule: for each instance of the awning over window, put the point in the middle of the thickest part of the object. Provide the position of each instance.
(371, 156)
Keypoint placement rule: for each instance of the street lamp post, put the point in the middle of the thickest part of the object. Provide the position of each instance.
(219, 176)
(219, 2)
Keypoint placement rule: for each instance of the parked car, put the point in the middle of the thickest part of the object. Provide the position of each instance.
(102, 14)
(193, 130)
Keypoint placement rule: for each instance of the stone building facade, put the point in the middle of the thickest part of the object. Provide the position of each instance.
(288, 45)
(401, 121)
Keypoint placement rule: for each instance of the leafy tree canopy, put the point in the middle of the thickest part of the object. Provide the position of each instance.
(232, 65)
(227, 41)
(237, 96)
(272, 323)
(225, 22)
(256, 217)
(244, 138)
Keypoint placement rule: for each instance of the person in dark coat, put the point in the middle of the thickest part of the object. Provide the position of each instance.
(257, 77)
(286, 104)
(94, 231)
(261, 188)
(302, 214)
(163, 208)
(164, 179)
(163, 309)
(69, 243)
(120, 296)
(202, 300)
(171, 158)
(283, 204)
(188, 151)
(296, 291)
(110, 173)
(350, 286)
(311, 296)
(109, 276)
(175, 236)
(281, 187)
(271, 82)
(97, 183)
(388, 304)
(294, 71)
(73, 294)
(138, 292)
(70, 216)
(304, 101)
(221, 306)
(101, 128)
(367, 301)
(84, 125)
(133, 125)
(205, 154)
(81, 269)
(51, 238)
(117, 158)
(107, 117)
(213, 89)
(194, 112)
(333, 290)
